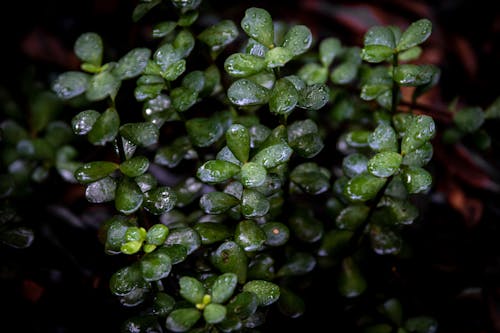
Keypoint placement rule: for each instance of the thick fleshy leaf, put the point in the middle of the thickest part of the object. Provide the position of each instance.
(143, 8)
(162, 29)
(132, 64)
(224, 287)
(140, 134)
(185, 236)
(105, 128)
(304, 138)
(204, 131)
(165, 56)
(380, 35)
(191, 289)
(125, 280)
(217, 171)
(244, 92)
(266, 292)
(383, 138)
(311, 178)
(176, 252)
(214, 313)
(229, 257)
(273, 156)
(238, 141)
(101, 191)
(155, 266)
(384, 164)
(249, 236)
(314, 97)
(157, 234)
(181, 320)
(412, 53)
(352, 216)
(334, 243)
(344, 73)
(219, 35)
(420, 130)
(93, 171)
(71, 84)
(417, 180)
(102, 85)
(421, 324)
(252, 175)
(160, 200)
(329, 48)
(299, 263)
(350, 281)
(146, 182)
(254, 204)
(414, 75)
(243, 305)
(278, 57)
(469, 119)
(88, 48)
(354, 164)
(173, 154)
(243, 65)
(82, 123)
(284, 97)
(128, 196)
(298, 39)
(148, 91)
(384, 240)
(258, 24)
(376, 53)
(420, 156)
(277, 233)
(184, 43)
(212, 232)
(19, 238)
(392, 308)
(415, 34)
(217, 202)
(135, 166)
(313, 73)
(306, 227)
(290, 304)
(363, 187)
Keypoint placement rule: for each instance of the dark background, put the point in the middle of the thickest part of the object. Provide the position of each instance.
(59, 283)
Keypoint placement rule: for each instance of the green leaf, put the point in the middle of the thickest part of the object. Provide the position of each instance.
(188, 18)
(284, 97)
(344, 73)
(249, 236)
(392, 308)
(298, 39)
(162, 29)
(414, 75)
(357, 138)
(253, 175)
(83, 122)
(146, 182)
(19, 237)
(258, 24)
(147, 91)
(175, 70)
(352, 217)
(412, 53)
(469, 119)
(238, 141)
(304, 138)
(212, 232)
(290, 304)
(493, 111)
(244, 92)
(204, 131)
(266, 292)
(88, 48)
(363, 187)
(384, 164)
(420, 156)
(243, 305)
(243, 65)
(273, 156)
(334, 243)
(329, 48)
(191, 289)
(160, 200)
(313, 73)
(125, 280)
(277, 233)
(214, 313)
(350, 281)
(135, 167)
(194, 80)
(70, 84)
(128, 196)
(217, 202)
(101, 191)
(102, 85)
(354, 164)
(217, 171)
(140, 134)
(181, 320)
(165, 56)
(421, 324)
(157, 234)
(229, 257)
(416, 34)
(224, 287)
(155, 266)
(376, 53)
(417, 180)
(93, 171)
(306, 227)
(225, 154)
(143, 8)
(219, 35)
(384, 240)
(183, 98)
(380, 35)
(314, 97)
(311, 178)
(420, 130)
(254, 204)
(299, 263)
(132, 64)
(383, 138)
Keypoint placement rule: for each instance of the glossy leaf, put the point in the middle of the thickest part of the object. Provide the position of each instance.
(181, 320)
(304, 138)
(314, 97)
(217, 171)
(420, 130)
(100, 191)
(252, 175)
(249, 236)
(344, 73)
(354, 164)
(421, 324)
(277, 233)
(420, 156)
(229, 257)
(329, 48)
(415, 34)
(93, 171)
(128, 197)
(70, 84)
(157, 234)
(105, 128)
(384, 164)
(380, 35)
(162, 29)
(132, 64)
(414, 75)
(219, 35)
(224, 287)
(83, 122)
(352, 216)
(469, 119)
(383, 138)
(384, 241)
(102, 85)
(204, 131)
(217, 202)
(173, 154)
(306, 227)
(243, 65)
(417, 180)
(273, 156)
(135, 166)
(238, 141)
(376, 53)
(242, 305)
(125, 280)
(244, 92)
(363, 187)
(88, 48)
(299, 263)
(187, 237)
(284, 97)
(212, 232)
(155, 266)
(258, 24)
(191, 289)
(266, 292)
(254, 204)
(160, 200)
(311, 178)
(165, 56)
(350, 281)
(140, 134)
(214, 313)
(298, 39)
(313, 73)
